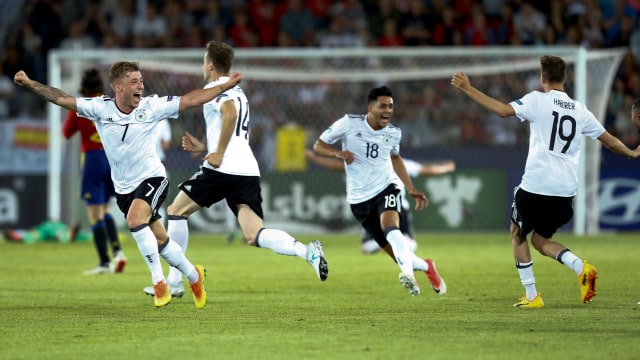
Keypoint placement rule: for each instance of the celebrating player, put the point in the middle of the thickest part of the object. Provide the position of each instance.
(371, 153)
(543, 201)
(126, 125)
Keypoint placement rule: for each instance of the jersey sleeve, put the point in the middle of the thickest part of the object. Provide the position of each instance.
(166, 107)
(70, 125)
(592, 127)
(336, 131)
(90, 108)
(525, 106)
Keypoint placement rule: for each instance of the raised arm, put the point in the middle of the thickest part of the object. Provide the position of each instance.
(48, 93)
(202, 96)
(461, 82)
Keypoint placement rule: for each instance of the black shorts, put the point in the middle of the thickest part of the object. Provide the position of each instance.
(540, 213)
(153, 191)
(406, 225)
(207, 187)
(368, 212)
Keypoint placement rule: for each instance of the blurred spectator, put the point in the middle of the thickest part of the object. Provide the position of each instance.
(477, 32)
(351, 10)
(7, 93)
(384, 10)
(297, 25)
(529, 24)
(179, 22)
(503, 25)
(415, 25)
(390, 36)
(266, 15)
(76, 38)
(121, 22)
(445, 30)
(149, 28)
(241, 32)
(338, 35)
(195, 37)
(213, 16)
(32, 51)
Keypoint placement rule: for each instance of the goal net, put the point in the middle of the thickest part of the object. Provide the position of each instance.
(295, 94)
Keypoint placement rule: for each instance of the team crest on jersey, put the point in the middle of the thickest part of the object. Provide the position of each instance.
(140, 115)
(386, 138)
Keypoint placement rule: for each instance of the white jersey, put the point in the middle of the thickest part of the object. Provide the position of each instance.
(371, 171)
(163, 132)
(556, 124)
(238, 157)
(129, 139)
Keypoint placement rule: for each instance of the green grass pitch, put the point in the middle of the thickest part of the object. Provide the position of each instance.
(267, 306)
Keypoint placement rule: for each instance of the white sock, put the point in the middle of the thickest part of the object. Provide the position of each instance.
(419, 264)
(172, 254)
(148, 246)
(571, 261)
(401, 250)
(281, 243)
(178, 230)
(525, 270)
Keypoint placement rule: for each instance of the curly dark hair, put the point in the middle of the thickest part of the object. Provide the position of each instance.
(91, 84)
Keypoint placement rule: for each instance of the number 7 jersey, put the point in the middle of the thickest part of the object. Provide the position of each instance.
(129, 140)
(556, 124)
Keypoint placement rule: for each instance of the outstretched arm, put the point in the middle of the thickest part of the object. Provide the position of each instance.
(48, 93)
(199, 97)
(461, 82)
(325, 149)
(326, 162)
(438, 169)
(616, 146)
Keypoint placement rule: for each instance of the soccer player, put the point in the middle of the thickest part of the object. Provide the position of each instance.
(230, 171)
(543, 201)
(97, 186)
(126, 125)
(414, 169)
(371, 153)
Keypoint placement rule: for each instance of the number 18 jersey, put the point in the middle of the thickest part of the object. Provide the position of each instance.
(556, 123)
(371, 171)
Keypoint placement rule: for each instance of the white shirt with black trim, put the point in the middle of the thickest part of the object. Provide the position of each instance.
(556, 124)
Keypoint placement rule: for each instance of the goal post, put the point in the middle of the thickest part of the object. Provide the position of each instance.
(310, 88)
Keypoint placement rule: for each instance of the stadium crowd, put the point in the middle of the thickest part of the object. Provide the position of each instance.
(43, 25)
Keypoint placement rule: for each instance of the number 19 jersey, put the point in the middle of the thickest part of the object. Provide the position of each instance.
(372, 170)
(556, 123)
